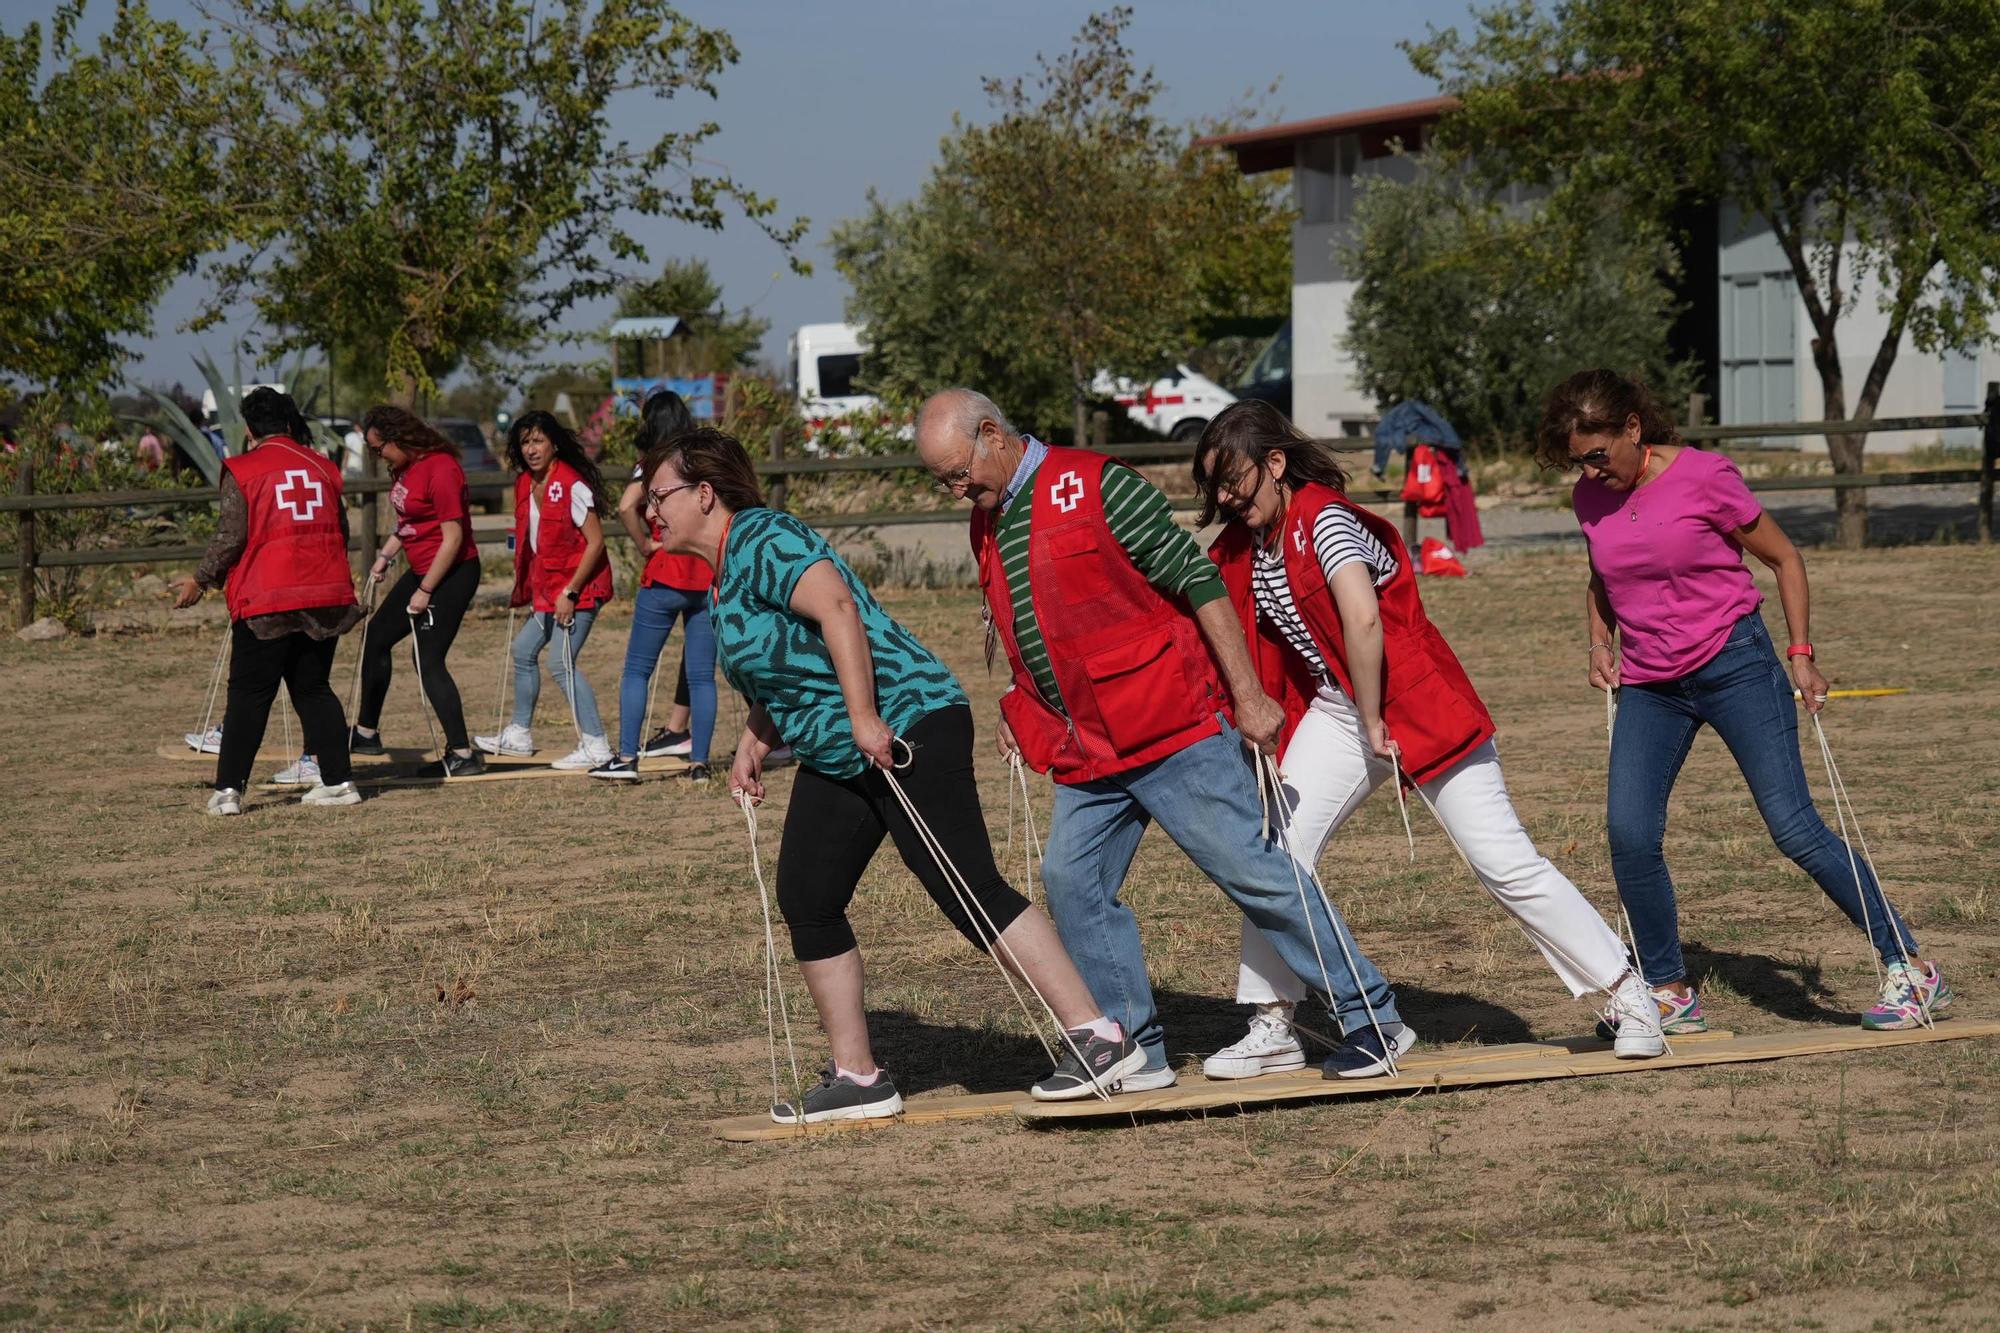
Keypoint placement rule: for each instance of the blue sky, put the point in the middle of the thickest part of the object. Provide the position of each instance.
(830, 99)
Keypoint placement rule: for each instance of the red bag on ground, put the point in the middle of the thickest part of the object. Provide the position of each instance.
(1439, 558)
(1424, 483)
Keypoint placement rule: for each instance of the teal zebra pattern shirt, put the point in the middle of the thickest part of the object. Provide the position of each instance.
(778, 659)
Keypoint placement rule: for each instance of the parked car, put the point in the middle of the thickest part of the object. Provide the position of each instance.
(1177, 405)
(1269, 379)
(477, 456)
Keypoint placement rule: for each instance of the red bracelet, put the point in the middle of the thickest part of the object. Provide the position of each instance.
(1799, 650)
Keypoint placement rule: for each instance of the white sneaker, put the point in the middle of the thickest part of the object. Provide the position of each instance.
(594, 752)
(340, 794)
(1270, 1047)
(1146, 1080)
(513, 739)
(304, 773)
(227, 801)
(1636, 1015)
(209, 742)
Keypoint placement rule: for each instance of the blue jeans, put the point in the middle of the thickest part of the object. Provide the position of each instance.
(653, 615)
(1747, 697)
(1205, 798)
(536, 635)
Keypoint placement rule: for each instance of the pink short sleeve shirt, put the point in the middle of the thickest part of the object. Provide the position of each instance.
(1671, 567)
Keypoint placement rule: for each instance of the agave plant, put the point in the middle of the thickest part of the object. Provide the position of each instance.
(207, 455)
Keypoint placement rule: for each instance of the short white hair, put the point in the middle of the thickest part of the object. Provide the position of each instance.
(962, 410)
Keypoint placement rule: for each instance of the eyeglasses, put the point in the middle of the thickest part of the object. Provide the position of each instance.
(660, 496)
(951, 481)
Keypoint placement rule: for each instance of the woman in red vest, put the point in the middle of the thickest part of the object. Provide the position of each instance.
(1329, 604)
(280, 551)
(434, 530)
(560, 570)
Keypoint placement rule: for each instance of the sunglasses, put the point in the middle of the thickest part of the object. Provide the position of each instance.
(1597, 458)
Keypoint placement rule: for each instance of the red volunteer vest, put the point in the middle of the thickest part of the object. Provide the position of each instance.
(296, 558)
(1134, 673)
(540, 575)
(1428, 702)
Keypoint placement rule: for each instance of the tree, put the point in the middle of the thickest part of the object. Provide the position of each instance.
(1867, 135)
(716, 340)
(108, 176)
(1077, 232)
(442, 182)
(1476, 308)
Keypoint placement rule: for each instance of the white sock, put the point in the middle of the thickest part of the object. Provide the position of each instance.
(859, 1080)
(1104, 1028)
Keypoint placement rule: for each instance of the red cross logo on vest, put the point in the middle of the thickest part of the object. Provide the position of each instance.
(1066, 491)
(300, 495)
(555, 492)
(1299, 536)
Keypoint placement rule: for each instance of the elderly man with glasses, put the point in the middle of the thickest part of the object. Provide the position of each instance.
(1126, 657)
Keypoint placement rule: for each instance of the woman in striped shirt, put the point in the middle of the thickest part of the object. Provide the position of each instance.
(1330, 605)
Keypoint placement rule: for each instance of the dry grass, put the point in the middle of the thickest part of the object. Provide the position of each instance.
(444, 1060)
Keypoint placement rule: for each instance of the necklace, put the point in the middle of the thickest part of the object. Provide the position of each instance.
(1631, 506)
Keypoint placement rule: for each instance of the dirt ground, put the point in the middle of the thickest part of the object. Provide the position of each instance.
(446, 1059)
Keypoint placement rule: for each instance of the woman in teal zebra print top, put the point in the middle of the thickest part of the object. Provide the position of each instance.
(826, 668)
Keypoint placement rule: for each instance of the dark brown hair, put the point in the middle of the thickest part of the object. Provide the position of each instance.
(1598, 402)
(563, 441)
(407, 431)
(1237, 440)
(710, 455)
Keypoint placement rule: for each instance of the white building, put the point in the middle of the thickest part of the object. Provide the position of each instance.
(1746, 324)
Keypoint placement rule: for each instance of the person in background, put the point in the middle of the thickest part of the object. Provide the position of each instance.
(280, 554)
(152, 454)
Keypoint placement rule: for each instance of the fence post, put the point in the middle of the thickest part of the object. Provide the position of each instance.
(1100, 428)
(24, 597)
(1410, 524)
(777, 495)
(1697, 408)
(1988, 459)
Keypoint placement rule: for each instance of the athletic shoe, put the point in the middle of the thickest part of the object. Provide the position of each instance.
(1634, 1017)
(341, 793)
(626, 770)
(1362, 1055)
(513, 739)
(693, 773)
(1270, 1047)
(782, 757)
(1679, 1015)
(1909, 997)
(225, 801)
(455, 765)
(360, 744)
(204, 742)
(1101, 1066)
(592, 752)
(1148, 1080)
(666, 743)
(839, 1097)
(305, 773)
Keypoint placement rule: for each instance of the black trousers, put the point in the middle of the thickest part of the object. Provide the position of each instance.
(256, 666)
(835, 825)
(391, 625)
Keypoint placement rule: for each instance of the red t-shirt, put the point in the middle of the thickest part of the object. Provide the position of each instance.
(426, 494)
(689, 573)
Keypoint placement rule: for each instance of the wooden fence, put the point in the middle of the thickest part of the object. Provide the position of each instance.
(780, 468)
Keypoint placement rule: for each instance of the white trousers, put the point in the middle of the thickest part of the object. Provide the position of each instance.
(1329, 770)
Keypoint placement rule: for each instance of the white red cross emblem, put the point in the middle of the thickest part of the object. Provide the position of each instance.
(555, 492)
(300, 495)
(1066, 491)
(1299, 536)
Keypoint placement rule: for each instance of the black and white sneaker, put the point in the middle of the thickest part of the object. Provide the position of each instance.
(1362, 1055)
(620, 769)
(1102, 1067)
(694, 773)
(455, 765)
(839, 1097)
(665, 743)
(360, 744)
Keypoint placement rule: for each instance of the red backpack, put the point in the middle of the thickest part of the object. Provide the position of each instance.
(1424, 482)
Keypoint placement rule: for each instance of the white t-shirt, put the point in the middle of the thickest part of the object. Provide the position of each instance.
(581, 502)
(1338, 540)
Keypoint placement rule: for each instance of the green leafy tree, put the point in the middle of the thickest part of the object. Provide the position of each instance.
(714, 340)
(1866, 132)
(441, 181)
(1476, 308)
(108, 189)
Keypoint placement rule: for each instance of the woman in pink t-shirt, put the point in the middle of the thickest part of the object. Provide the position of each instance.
(1672, 616)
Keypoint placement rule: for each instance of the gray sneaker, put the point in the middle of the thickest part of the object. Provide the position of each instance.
(1102, 1068)
(839, 1097)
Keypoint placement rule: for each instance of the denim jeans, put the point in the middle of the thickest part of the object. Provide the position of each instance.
(653, 615)
(1746, 696)
(1205, 798)
(536, 635)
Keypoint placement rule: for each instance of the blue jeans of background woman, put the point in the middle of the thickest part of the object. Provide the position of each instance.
(541, 632)
(1746, 695)
(653, 614)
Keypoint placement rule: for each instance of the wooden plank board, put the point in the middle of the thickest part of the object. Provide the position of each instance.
(180, 750)
(1310, 1086)
(517, 772)
(924, 1110)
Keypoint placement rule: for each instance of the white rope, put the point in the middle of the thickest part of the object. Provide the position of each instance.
(423, 699)
(368, 591)
(1625, 917)
(1843, 809)
(214, 689)
(652, 691)
(285, 720)
(776, 1011)
(1402, 802)
(505, 696)
(569, 680)
(1268, 768)
(1031, 850)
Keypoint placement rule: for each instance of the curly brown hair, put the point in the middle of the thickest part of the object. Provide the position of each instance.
(1599, 402)
(407, 431)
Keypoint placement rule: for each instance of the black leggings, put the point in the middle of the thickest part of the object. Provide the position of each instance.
(256, 666)
(391, 625)
(834, 826)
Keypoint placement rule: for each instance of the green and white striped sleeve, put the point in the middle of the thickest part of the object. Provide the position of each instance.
(1167, 554)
